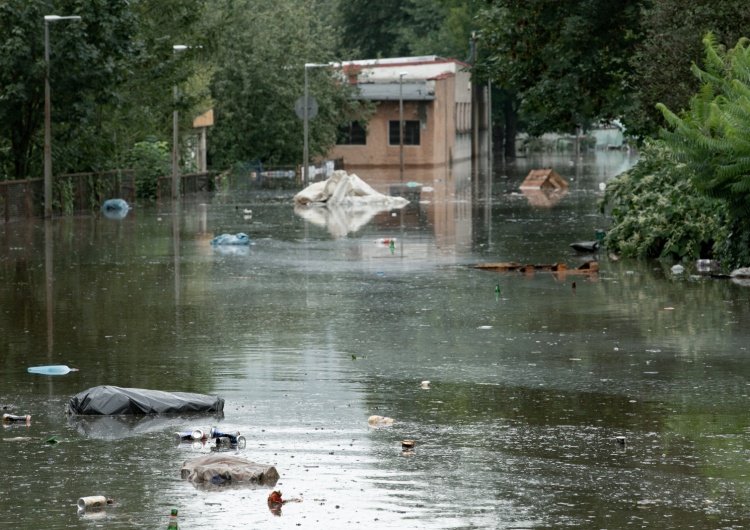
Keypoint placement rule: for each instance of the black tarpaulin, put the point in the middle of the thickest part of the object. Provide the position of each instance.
(108, 400)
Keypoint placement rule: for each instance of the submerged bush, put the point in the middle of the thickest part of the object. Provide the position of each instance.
(150, 160)
(657, 212)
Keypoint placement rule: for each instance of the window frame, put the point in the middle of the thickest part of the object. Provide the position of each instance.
(412, 132)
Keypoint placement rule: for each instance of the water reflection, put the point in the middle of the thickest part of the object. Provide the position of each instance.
(340, 220)
(544, 198)
(113, 428)
(309, 335)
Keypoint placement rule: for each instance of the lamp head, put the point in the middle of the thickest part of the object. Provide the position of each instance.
(55, 18)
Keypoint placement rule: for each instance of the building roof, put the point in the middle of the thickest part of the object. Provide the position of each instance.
(402, 61)
(410, 68)
(411, 91)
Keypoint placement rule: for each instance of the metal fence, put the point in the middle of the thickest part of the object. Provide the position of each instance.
(71, 193)
(189, 183)
(85, 192)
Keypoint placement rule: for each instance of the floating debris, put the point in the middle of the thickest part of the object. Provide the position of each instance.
(380, 421)
(589, 267)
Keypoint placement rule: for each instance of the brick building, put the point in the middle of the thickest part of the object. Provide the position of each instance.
(436, 95)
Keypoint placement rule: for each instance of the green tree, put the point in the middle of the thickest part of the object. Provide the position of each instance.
(370, 30)
(673, 32)
(142, 109)
(259, 72)
(562, 64)
(401, 28)
(85, 63)
(105, 73)
(439, 27)
(150, 160)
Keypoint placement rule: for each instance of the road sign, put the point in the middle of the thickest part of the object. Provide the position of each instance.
(312, 107)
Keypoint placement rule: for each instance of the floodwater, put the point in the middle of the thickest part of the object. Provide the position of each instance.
(306, 335)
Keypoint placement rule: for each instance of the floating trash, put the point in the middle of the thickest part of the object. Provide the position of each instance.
(115, 209)
(380, 421)
(16, 418)
(94, 501)
(54, 369)
(231, 239)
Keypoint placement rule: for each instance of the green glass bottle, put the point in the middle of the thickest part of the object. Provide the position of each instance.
(172, 520)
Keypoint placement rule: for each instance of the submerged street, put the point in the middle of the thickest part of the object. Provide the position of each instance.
(616, 399)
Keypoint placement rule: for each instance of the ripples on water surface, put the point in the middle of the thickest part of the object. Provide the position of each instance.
(305, 336)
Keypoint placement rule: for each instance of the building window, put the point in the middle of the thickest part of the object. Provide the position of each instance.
(352, 134)
(411, 132)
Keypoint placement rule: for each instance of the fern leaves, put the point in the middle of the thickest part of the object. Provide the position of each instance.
(712, 137)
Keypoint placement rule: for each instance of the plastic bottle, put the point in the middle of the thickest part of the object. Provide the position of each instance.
(54, 369)
(14, 418)
(172, 520)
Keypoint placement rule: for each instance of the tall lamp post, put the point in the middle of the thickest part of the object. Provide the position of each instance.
(305, 118)
(175, 134)
(401, 122)
(47, 118)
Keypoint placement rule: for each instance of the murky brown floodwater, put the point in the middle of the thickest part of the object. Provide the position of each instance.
(306, 335)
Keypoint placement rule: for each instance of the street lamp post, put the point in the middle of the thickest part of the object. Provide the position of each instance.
(401, 122)
(175, 134)
(305, 118)
(47, 117)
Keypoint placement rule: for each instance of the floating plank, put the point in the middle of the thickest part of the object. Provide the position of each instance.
(511, 266)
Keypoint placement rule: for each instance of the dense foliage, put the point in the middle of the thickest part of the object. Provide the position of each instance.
(111, 77)
(712, 137)
(567, 63)
(711, 140)
(689, 195)
(673, 32)
(150, 160)
(400, 28)
(658, 213)
(259, 75)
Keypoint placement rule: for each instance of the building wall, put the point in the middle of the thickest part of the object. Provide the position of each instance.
(378, 152)
(445, 131)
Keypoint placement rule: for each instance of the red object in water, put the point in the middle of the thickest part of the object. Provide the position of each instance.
(275, 497)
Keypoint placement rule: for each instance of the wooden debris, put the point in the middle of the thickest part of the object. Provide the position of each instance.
(511, 266)
(538, 179)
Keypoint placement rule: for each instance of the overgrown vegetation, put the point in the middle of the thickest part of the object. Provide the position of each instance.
(658, 213)
(150, 160)
(689, 195)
